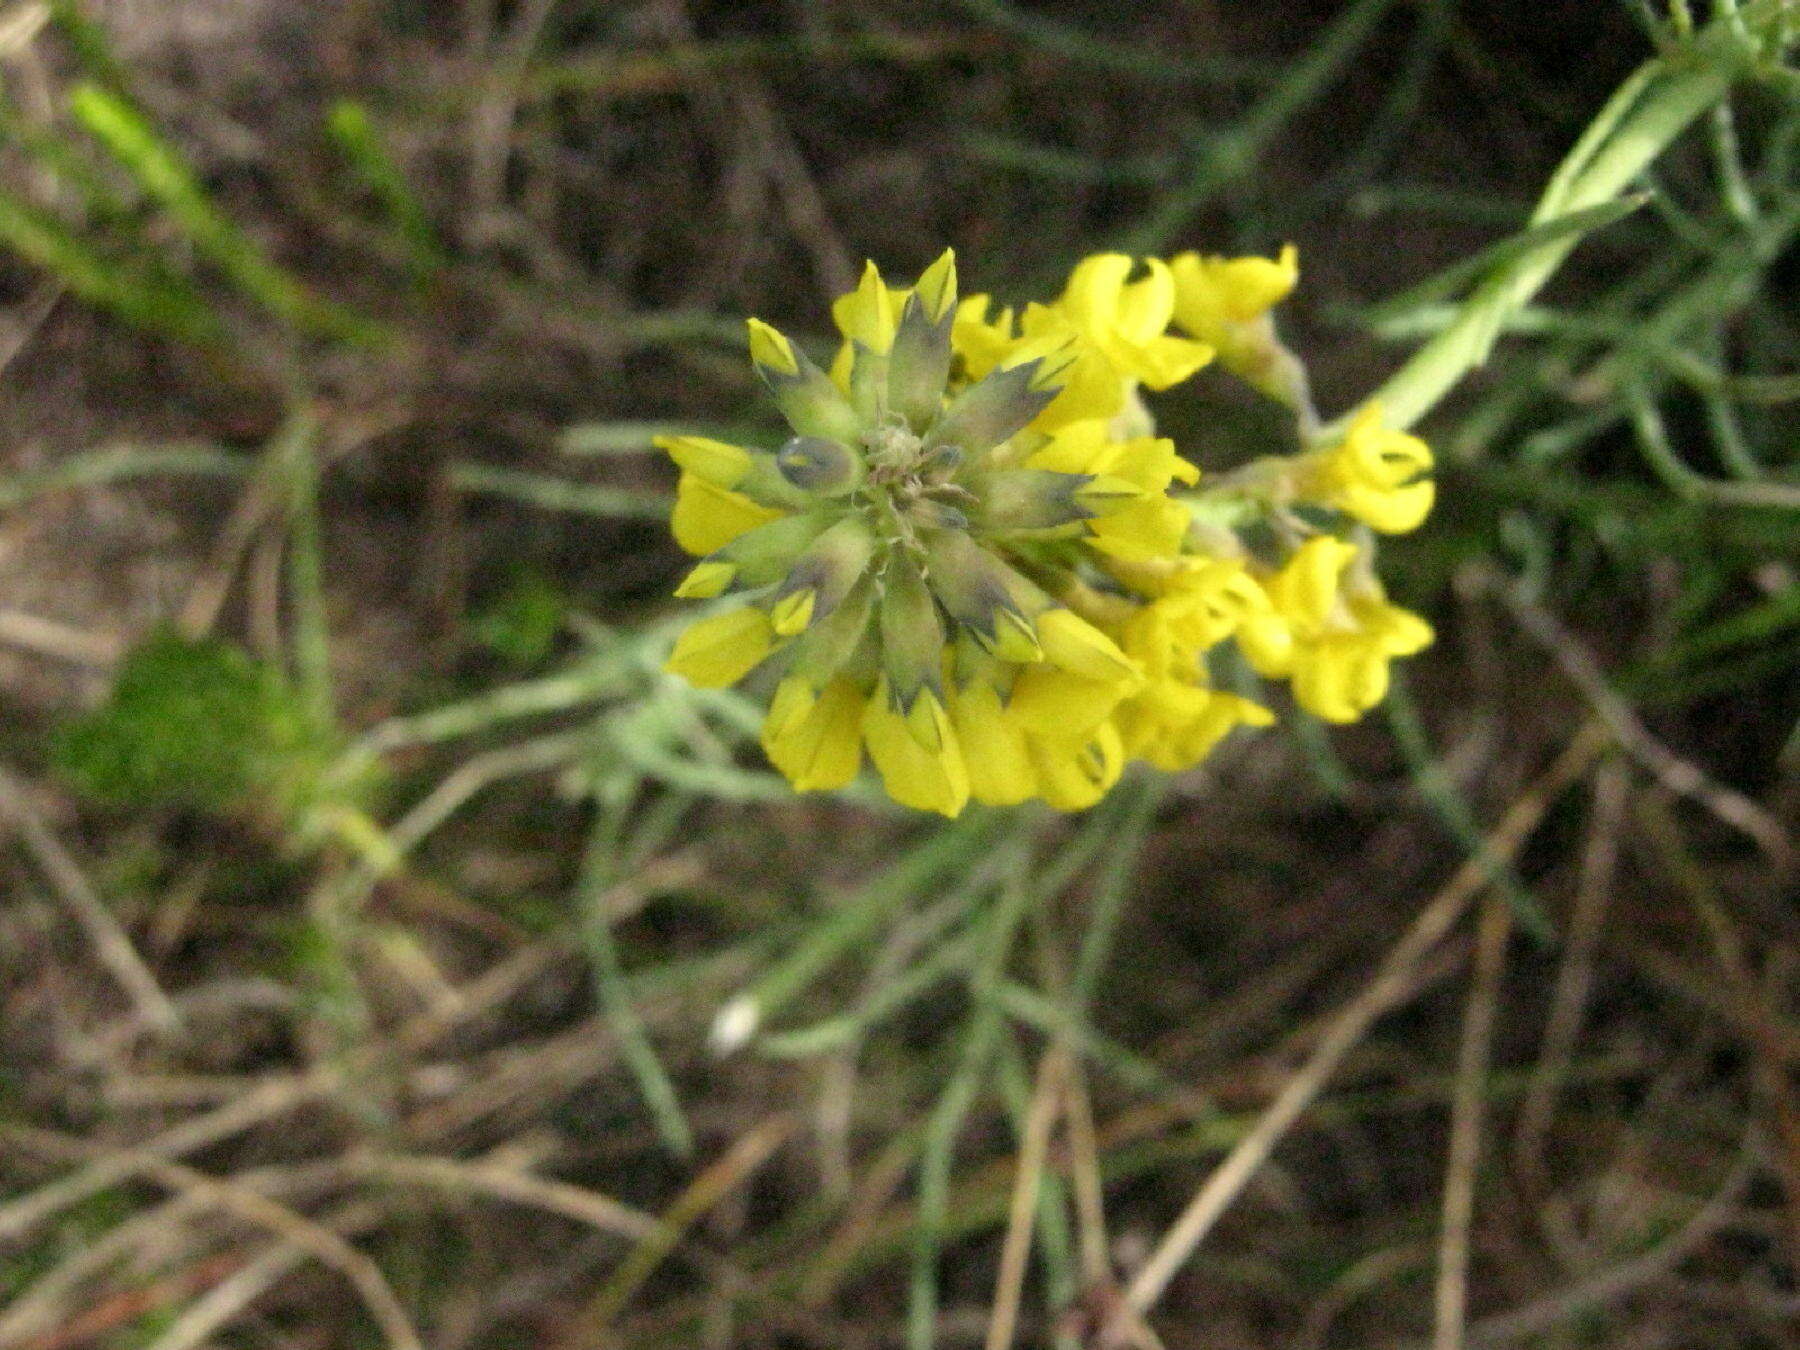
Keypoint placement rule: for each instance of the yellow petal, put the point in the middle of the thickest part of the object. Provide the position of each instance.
(1146, 305)
(1306, 588)
(999, 765)
(1195, 739)
(708, 517)
(1164, 362)
(1142, 531)
(717, 462)
(1381, 457)
(1055, 704)
(1397, 631)
(815, 737)
(1390, 510)
(1267, 641)
(770, 349)
(1151, 463)
(937, 286)
(1077, 447)
(1072, 643)
(1091, 298)
(869, 313)
(1015, 639)
(1108, 492)
(1341, 679)
(913, 775)
(1073, 776)
(1211, 292)
(929, 723)
(721, 650)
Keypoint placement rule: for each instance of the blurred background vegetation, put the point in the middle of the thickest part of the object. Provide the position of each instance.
(369, 901)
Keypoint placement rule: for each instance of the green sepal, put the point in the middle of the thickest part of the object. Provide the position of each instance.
(834, 562)
(993, 410)
(912, 634)
(919, 363)
(1032, 499)
(986, 597)
(767, 553)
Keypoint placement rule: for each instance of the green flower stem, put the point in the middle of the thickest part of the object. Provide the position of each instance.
(1439, 792)
(1647, 113)
(1653, 440)
(893, 997)
(136, 289)
(559, 494)
(1136, 62)
(610, 672)
(362, 144)
(1131, 1069)
(162, 172)
(1138, 801)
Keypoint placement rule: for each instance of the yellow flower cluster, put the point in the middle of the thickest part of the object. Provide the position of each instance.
(975, 560)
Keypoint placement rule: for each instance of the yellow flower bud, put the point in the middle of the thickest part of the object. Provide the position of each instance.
(791, 614)
(706, 580)
(720, 651)
(770, 350)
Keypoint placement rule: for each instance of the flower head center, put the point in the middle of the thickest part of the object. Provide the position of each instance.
(895, 452)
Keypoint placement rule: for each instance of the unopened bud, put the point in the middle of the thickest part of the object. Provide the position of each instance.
(764, 555)
(824, 574)
(838, 637)
(814, 464)
(793, 612)
(811, 403)
(919, 363)
(708, 579)
(1103, 494)
(931, 514)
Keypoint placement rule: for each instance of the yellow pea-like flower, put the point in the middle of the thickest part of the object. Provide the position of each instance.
(1374, 474)
(976, 564)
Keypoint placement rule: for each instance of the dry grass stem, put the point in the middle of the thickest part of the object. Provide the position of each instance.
(58, 641)
(1353, 1022)
(1467, 1112)
(1575, 972)
(1015, 1252)
(1624, 1279)
(500, 1182)
(1680, 776)
(111, 943)
(252, 1207)
(261, 1104)
(739, 1162)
